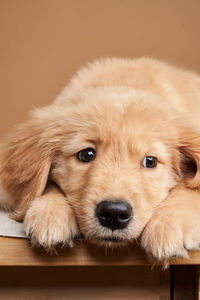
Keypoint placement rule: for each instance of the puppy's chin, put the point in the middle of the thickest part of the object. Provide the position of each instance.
(109, 242)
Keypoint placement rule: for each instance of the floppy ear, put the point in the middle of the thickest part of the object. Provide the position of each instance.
(187, 162)
(25, 161)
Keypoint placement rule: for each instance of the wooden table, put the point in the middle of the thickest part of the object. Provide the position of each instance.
(16, 252)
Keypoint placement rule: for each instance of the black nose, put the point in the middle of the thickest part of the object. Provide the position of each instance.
(114, 215)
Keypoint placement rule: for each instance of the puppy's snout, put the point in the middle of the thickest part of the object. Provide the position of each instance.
(114, 215)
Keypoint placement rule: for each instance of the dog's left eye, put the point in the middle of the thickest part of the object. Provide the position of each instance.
(86, 155)
(149, 162)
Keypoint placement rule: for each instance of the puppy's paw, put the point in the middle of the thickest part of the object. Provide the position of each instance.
(163, 239)
(50, 222)
(175, 226)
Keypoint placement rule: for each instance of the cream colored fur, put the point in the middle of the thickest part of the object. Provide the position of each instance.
(125, 109)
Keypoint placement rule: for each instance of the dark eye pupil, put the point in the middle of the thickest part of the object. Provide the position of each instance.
(86, 155)
(150, 162)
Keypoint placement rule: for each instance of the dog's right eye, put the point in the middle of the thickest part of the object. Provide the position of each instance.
(149, 162)
(86, 155)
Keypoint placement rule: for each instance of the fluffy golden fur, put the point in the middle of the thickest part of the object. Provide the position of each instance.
(125, 109)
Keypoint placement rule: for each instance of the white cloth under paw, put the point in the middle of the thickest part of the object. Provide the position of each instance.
(9, 227)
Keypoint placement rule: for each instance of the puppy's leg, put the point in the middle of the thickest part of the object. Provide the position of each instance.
(50, 220)
(175, 226)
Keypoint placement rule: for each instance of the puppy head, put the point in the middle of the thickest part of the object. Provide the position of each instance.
(115, 153)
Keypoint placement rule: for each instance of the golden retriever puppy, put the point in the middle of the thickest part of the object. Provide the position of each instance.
(115, 157)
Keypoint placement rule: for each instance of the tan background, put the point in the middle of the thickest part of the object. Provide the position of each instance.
(43, 42)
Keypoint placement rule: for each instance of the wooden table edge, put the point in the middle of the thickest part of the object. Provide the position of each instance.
(18, 252)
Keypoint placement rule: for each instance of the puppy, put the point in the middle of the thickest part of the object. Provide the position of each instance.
(115, 157)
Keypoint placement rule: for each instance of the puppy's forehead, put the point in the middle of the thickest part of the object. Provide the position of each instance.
(132, 121)
(110, 114)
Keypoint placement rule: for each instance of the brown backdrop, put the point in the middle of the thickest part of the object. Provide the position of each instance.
(42, 43)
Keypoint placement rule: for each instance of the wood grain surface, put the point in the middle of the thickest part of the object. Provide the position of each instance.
(18, 252)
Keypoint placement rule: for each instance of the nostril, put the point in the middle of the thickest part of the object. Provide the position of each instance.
(124, 216)
(104, 215)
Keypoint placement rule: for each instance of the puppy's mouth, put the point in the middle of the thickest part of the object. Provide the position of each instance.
(113, 239)
(109, 239)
